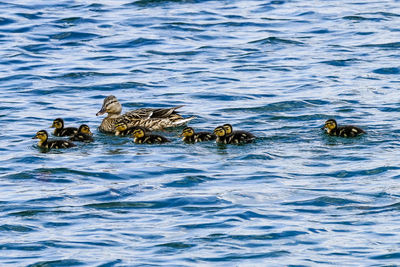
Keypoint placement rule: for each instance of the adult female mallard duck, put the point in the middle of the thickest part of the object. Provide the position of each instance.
(333, 129)
(142, 137)
(122, 129)
(48, 144)
(225, 135)
(83, 135)
(189, 136)
(149, 118)
(59, 130)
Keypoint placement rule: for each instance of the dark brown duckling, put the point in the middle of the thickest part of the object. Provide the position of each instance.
(49, 144)
(60, 130)
(190, 136)
(122, 129)
(83, 135)
(222, 138)
(333, 129)
(142, 137)
(237, 137)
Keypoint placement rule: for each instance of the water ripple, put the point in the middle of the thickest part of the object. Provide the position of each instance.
(278, 69)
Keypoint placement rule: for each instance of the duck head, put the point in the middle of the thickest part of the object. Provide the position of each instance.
(220, 131)
(330, 125)
(228, 128)
(58, 123)
(84, 129)
(187, 132)
(110, 106)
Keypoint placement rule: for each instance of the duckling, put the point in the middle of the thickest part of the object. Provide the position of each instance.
(83, 135)
(121, 129)
(189, 136)
(333, 129)
(141, 137)
(60, 130)
(149, 118)
(222, 138)
(236, 137)
(43, 136)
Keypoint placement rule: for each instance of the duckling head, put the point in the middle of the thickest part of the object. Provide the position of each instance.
(220, 131)
(228, 128)
(42, 135)
(110, 106)
(58, 123)
(121, 126)
(330, 125)
(139, 132)
(187, 132)
(84, 129)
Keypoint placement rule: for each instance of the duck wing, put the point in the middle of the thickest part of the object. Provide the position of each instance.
(146, 113)
(154, 118)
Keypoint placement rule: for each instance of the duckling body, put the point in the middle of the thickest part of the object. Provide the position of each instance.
(59, 130)
(149, 118)
(83, 135)
(237, 137)
(50, 144)
(190, 136)
(141, 137)
(333, 129)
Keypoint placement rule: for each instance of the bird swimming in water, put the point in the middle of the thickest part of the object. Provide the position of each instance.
(43, 136)
(149, 118)
(83, 135)
(190, 136)
(59, 130)
(142, 137)
(122, 129)
(225, 135)
(333, 129)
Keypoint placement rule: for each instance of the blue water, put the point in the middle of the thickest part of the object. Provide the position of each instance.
(276, 68)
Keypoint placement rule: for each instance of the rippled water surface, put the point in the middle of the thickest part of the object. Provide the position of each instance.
(276, 68)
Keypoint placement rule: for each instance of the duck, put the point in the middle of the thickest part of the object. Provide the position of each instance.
(234, 137)
(59, 130)
(237, 137)
(83, 135)
(150, 118)
(331, 128)
(122, 129)
(43, 136)
(142, 137)
(190, 136)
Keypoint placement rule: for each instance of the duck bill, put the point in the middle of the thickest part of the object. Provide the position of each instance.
(52, 126)
(102, 111)
(323, 127)
(35, 137)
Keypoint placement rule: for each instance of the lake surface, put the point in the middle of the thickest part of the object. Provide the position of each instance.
(278, 69)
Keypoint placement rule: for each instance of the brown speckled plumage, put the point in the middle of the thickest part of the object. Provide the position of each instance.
(151, 119)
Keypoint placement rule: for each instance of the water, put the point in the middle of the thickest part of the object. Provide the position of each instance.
(276, 68)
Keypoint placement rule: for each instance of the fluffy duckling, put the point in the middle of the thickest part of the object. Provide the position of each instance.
(141, 137)
(83, 135)
(222, 138)
(149, 118)
(122, 129)
(236, 137)
(45, 143)
(59, 130)
(189, 136)
(333, 129)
